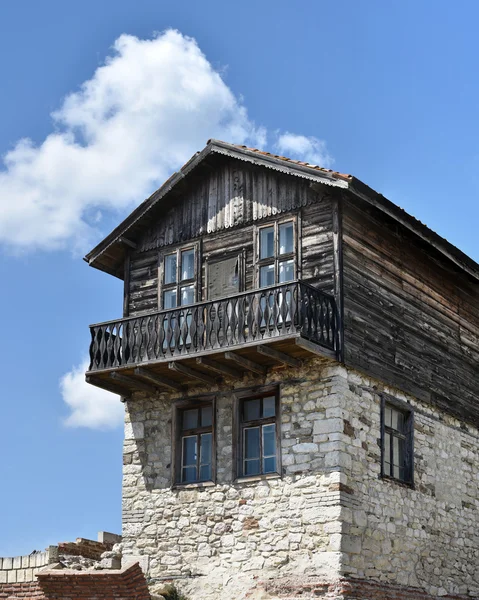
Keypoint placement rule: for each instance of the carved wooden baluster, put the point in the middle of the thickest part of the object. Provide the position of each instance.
(193, 335)
(162, 341)
(175, 347)
(218, 326)
(241, 320)
(233, 304)
(114, 345)
(154, 336)
(168, 333)
(93, 349)
(201, 328)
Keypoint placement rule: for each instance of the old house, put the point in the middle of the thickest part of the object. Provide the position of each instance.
(298, 359)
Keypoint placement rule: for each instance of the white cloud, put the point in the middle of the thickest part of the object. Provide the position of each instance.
(90, 406)
(142, 114)
(308, 149)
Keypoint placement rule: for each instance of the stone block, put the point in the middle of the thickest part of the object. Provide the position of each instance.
(12, 576)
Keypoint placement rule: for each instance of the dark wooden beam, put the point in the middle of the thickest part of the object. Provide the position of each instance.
(179, 368)
(279, 356)
(158, 379)
(214, 365)
(128, 242)
(315, 348)
(108, 386)
(246, 363)
(133, 383)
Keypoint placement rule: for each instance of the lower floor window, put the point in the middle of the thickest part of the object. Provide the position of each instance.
(397, 441)
(195, 444)
(258, 446)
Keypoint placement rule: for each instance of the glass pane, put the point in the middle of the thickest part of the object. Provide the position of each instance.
(398, 452)
(187, 264)
(169, 299)
(206, 416)
(397, 420)
(251, 443)
(266, 276)
(269, 464)
(252, 467)
(266, 242)
(269, 440)
(269, 406)
(187, 295)
(387, 416)
(189, 451)
(205, 472)
(286, 238)
(387, 449)
(190, 418)
(170, 268)
(205, 449)
(286, 271)
(251, 409)
(387, 468)
(188, 475)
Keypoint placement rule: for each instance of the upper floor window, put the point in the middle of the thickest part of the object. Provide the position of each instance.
(194, 443)
(397, 441)
(178, 281)
(276, 253)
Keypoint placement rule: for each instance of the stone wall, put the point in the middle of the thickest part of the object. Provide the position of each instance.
(20, 569)
(426, 537)
(24, 568)
(328, 516)
(218, 539)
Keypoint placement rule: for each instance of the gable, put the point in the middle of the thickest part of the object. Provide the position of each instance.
(233, 194)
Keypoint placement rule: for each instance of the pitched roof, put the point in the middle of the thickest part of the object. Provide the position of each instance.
(334, 174)
(130, 228)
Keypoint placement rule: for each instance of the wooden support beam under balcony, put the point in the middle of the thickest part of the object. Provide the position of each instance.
(189, 372)
(246, 363)
(158, 380)
(109, 386)
(281, 357)
(217, 367)
(133, 383)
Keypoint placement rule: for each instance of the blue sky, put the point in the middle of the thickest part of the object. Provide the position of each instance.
(387, 91)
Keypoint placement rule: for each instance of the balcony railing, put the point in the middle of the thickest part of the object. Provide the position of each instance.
(294, 308)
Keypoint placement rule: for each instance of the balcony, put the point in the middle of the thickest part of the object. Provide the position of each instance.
(202, 343)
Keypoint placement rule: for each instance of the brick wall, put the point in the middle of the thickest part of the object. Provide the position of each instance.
(126, 584)
(85, 548)
(28, 591)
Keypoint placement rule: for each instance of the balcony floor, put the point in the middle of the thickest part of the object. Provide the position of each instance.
(208, 367)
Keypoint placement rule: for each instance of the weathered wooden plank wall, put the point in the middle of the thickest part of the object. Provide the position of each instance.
(409, 319)
(222, 210)
(234, 193)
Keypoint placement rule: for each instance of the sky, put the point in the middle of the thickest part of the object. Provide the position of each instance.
(101, 101)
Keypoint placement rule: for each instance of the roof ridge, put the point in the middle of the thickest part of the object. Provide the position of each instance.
(337, 174)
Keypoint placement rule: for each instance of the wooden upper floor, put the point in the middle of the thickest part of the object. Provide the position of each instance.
(243, 261)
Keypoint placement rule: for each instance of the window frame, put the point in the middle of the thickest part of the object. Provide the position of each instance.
(276, 258)
(239, 428)
(407, 435)
(177, 439)
(195, 281)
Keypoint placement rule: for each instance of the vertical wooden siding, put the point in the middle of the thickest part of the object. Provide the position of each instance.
(409, 319)
(222, 211)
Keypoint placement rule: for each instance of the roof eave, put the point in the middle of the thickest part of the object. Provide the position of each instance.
(459, 258)
(213, 146)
